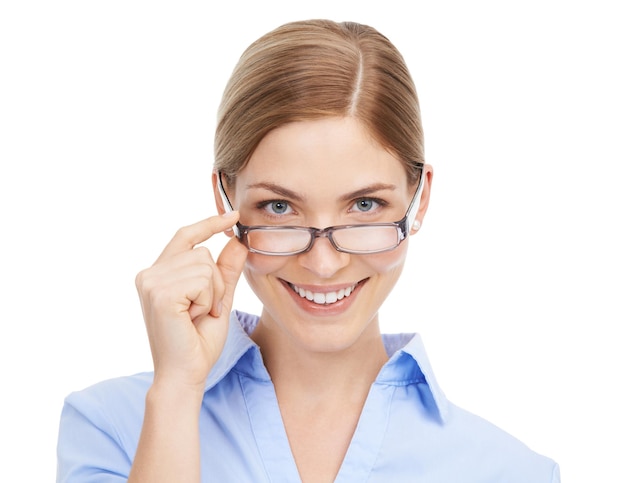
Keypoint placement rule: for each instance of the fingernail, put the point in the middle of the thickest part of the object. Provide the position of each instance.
(218, 309)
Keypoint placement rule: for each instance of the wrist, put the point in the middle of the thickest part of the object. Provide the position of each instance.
(169, 446)
(174, 396)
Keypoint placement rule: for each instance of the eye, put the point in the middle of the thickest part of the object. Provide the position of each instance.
(367, 204)
(276, 207)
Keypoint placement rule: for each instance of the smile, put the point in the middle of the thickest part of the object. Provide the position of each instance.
(323, 298)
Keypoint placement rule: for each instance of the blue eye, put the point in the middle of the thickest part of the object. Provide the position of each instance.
(278, 207)
(366, 204)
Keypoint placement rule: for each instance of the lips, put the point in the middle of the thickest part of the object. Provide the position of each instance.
(326, 297)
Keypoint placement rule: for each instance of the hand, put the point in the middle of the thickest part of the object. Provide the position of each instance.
(186, 300)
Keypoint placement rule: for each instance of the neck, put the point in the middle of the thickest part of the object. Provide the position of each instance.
(318, 376)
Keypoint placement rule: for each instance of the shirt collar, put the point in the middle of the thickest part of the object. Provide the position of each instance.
(408, 362)
(238, 347)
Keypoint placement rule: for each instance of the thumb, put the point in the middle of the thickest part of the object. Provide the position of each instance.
(230, 263)
(214, 328)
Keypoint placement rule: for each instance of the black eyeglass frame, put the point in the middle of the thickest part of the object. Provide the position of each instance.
(403, 225)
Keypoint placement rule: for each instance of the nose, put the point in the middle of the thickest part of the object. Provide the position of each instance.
(323, 259)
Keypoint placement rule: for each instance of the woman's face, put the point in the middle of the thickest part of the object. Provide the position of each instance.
(318, 174)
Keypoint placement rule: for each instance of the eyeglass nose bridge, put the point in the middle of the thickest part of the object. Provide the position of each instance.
(322, 233)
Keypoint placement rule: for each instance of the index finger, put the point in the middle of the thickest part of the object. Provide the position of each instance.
(187, 237)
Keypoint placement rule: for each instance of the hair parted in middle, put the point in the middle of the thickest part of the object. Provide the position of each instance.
(313, 69)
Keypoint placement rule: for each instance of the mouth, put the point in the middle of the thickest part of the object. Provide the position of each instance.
(325, 298)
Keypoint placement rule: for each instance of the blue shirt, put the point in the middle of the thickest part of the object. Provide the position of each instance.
(408, 431)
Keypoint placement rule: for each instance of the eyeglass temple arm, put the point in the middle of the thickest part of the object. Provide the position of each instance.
(226, 202)
(415, 202)
(411, 212)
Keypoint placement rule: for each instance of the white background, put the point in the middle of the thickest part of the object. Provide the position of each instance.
(516, 281)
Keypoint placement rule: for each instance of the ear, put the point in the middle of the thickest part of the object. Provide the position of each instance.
(219, 203)
(424, 199)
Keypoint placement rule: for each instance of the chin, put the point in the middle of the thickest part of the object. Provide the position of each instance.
(322, 334)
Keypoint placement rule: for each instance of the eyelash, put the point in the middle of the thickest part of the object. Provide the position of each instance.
(265, 206)
(381, 204)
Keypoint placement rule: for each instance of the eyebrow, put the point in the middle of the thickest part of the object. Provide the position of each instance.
(368, 190)
(279, 190)
(290, 194)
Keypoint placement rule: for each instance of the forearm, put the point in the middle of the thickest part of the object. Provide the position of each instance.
(169, 446)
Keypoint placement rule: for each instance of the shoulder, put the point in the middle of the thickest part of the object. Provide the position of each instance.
(121, 392)
(496, 450)
(449, 442)
(100, 427)
(460, 447)
(115, 407)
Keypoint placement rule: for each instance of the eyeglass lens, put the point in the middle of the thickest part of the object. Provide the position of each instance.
(366, 238)
(357, 239)
(278, 241)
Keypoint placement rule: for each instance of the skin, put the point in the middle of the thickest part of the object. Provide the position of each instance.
(322, 162)
(322, 358)
(186, 298)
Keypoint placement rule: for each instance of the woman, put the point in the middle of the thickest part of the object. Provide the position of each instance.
(319, 180)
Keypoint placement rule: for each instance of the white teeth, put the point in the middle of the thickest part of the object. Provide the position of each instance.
(323, 298)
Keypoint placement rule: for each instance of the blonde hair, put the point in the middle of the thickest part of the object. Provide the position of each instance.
(313, 69)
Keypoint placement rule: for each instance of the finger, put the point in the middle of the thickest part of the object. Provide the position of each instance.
(211, 288)
(189, 236)
(206, 294)
(207, 289)
(225, 276)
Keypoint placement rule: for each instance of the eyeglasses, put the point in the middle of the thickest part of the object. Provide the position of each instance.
(360, 239)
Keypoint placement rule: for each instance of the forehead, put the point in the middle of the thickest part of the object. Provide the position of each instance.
(322, 154)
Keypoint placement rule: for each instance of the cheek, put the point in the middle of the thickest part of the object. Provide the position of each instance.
(388, 262)
(261, 265)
